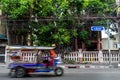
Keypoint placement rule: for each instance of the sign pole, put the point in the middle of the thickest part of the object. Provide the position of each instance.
(109, 51)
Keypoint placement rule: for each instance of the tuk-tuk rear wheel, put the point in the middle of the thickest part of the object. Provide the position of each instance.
(20, 72)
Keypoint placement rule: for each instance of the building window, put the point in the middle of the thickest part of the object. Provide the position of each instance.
(115, 44)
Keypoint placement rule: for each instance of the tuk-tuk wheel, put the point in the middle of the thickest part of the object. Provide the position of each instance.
(59, 71)
(20, 72)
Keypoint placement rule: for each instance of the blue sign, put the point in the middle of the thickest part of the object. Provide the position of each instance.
(97, 28)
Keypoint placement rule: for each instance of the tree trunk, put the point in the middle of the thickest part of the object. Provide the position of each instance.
(7, 29)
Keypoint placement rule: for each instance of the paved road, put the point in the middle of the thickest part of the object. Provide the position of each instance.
(71, 74)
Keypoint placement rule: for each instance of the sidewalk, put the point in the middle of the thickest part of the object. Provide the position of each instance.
(93, 65)
(3, 65)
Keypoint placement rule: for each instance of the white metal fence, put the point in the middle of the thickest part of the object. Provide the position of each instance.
(94, 57)
(78, 57)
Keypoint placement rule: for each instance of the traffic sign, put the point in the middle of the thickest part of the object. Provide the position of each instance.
(97, 28)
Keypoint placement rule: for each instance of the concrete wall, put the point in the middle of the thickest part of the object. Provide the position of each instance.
(112, 45)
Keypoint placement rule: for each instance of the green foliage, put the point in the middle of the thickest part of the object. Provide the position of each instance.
(62, 31)
(15, 8)
(83, 35)
(87, 42)
(74, 33)
(95, 6)
(44, 32)
(76, 5)
(100, 23)
(62, 36)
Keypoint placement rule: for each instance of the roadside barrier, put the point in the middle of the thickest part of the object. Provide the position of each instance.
(77, 57)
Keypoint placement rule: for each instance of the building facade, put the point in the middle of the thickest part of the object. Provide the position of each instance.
(3, 40)
(112, 44)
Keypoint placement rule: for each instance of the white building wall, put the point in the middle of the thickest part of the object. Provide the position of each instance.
(112, 43)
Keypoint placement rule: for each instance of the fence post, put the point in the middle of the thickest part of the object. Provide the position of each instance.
(80, 56)
(100, 56)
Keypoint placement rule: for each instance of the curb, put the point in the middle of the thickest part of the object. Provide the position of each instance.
(3, 65)
(85, 67)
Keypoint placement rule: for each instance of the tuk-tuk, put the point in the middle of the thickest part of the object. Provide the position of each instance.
(26, 60)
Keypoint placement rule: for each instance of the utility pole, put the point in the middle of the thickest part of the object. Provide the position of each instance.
(118, 20)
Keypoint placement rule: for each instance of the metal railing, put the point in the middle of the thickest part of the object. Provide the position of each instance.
(78, 57)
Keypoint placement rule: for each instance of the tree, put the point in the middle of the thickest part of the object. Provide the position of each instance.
(57, 22)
